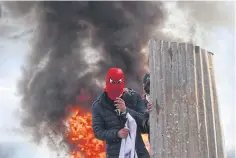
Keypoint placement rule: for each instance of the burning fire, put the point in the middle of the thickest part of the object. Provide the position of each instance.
(80, 134)
(145, 139)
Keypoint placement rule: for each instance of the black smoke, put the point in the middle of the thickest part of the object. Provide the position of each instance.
(56, 69)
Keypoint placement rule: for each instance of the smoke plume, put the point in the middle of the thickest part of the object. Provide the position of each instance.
(75, 44)
(198, 23)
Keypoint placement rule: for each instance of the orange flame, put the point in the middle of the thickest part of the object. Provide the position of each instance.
(80, 134)
(146, 142)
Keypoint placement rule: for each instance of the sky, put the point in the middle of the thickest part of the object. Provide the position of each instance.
(12, 56)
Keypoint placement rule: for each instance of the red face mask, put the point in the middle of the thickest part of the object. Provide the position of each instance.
(114, 83)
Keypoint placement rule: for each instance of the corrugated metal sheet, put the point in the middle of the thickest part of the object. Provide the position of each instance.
(183, 86)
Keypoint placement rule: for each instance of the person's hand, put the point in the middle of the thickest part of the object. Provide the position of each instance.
(149, 107)
(120, 104)
(123, 133)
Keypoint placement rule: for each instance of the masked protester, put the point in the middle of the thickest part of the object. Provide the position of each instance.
(146, 99)
(146, 88)
(109, 115)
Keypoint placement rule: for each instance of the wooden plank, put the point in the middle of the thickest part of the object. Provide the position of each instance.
(155, 130)
(184, 124)
(171, 131)
(168, 100)
(175, 101)
(164, 71)
(159, 99)
(193, 118)
(218, 125)
(203, 146)
(209, 106)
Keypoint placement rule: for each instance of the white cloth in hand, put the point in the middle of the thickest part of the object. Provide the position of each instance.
(127, 149)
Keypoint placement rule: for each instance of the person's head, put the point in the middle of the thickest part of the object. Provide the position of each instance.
(114, 83)
(146, 83)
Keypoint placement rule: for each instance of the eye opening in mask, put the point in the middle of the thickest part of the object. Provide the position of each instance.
(120, 81)
(111, 81)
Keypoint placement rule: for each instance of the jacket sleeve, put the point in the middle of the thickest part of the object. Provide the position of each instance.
(139, 114)
(98, 126)
(145, 128)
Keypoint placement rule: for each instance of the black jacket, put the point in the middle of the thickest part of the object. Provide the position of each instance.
(106, 122)
(146, 124)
